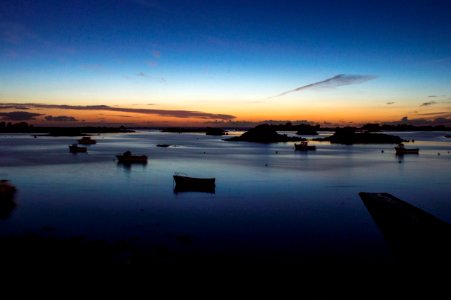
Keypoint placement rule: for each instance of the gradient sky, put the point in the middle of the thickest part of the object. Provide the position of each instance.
(152, 62)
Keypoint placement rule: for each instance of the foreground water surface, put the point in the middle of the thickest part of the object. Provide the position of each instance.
(271, 203)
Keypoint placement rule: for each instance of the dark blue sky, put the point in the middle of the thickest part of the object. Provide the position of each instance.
(179, 52)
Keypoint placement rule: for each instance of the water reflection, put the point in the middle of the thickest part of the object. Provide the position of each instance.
(127, 167)
(199, 189)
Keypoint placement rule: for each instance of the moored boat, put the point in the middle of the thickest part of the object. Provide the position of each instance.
(127, 158)
(304, 146)
(86, 140)
(185, 183)
(401, 149)
(74, 148)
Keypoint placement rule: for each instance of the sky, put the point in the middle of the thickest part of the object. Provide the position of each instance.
(164, 63)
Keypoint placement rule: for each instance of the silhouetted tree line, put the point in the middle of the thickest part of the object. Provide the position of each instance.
(375, 127)
(23, 127)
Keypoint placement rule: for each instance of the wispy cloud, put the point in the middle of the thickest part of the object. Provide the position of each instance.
(440, 113)
(19, 116)
(390, 103)
(333, 82)
(428, 103)
(141, 74)
(160, 112)
(61, 119)
(432, 96)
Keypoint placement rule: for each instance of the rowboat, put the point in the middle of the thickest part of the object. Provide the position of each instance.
(303, 146)
(400, 149)
(415, 236)
(74, 148)
(86, 140)
(185, 184)
(128, 158)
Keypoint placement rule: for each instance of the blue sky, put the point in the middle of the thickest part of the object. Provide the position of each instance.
(228, 56)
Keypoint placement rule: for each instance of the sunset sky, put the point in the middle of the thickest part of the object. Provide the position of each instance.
(155, 62)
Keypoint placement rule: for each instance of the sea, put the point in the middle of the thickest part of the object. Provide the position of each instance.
(271, 203)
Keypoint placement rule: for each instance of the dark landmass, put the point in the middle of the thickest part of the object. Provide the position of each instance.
(24, 127)
(413, 234)
(206, 130)
(375, 127)
(215, 131)
(264, 134)
(349, 136)
(301, 129)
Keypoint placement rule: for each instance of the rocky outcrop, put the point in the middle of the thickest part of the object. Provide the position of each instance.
(264, 134)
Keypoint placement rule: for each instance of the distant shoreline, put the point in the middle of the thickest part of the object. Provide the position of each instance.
(23, 127)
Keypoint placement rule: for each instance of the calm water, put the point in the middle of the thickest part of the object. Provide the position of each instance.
(271, 203)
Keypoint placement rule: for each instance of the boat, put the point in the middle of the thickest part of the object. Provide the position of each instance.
(6, 188)
(185, 184)
(414, 235)
(74, 148)
(401, 149)
(304, 146)
(86, 140)
(163, 145)
(128, 158)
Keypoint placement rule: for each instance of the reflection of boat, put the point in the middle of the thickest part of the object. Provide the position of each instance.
(128, 158)
(86, 140)
(414, 235)
(185, 184)
(6, 188)
(400, 149)
(304, 146)
(74, 148)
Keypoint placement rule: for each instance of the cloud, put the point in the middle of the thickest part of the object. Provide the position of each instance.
(440, 113)
(61, 119)
(333, 82)
(142, 74)
(390, 103)
(19, 116)
(146, 111)
(433, 96)
(428, 103)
